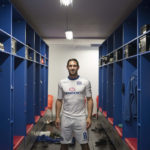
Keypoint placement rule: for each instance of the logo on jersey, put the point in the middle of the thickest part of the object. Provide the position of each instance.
(84, 135)
(72, 89)
(79, 82)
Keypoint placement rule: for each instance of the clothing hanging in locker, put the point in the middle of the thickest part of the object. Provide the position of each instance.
(130, 107)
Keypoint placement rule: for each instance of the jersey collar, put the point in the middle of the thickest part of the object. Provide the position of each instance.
(73, 78)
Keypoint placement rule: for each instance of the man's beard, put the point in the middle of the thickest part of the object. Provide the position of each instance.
(73, 74)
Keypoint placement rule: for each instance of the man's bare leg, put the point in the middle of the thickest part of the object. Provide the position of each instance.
(85, 146)
(64, 147)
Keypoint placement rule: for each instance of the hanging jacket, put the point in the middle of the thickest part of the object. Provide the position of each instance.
(130, 107)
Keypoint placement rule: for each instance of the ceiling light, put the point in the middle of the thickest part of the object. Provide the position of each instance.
(69, 35)
(66, 2)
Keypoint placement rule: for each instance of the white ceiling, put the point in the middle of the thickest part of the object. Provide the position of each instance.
(88, 19)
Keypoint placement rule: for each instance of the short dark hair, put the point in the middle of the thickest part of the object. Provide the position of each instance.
(73, 59)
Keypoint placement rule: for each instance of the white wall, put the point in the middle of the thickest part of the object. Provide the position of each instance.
(88, 61)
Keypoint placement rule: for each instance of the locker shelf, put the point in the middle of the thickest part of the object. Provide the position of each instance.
(143, 15)
(30, 54)
(100, 109)
(42, 113)
(111, 120)
(37, 118)
(105, 113)
(119, 130)
(46, 108)
(5, 41)
(29, 128)
(42, 60)
(130, 50)
(18, 48)
(132, 143)
(17, 141)
(131, 57)
(146, 52)
(118, 55)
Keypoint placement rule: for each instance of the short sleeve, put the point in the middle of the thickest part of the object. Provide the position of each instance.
(88, 92)
(60, 92)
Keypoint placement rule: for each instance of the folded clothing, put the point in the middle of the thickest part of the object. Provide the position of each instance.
(55, 135)
(44, 138)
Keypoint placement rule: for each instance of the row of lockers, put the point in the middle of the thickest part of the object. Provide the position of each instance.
(124, 78)
(23, 76)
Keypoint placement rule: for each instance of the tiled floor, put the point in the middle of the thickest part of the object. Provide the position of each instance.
(93, 137)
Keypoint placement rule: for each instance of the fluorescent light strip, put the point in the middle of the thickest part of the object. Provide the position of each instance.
(69, 35)
(66, 2)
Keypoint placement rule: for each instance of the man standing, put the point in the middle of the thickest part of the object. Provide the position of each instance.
(72, 92)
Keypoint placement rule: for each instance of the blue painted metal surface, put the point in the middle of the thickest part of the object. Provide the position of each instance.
(5, 101)
(20, 89)
(117, 93)
(110, 91)
(30, 92)
(127, 33)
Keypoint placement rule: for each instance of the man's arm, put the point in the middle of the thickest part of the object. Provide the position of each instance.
(90, 110)
(58, 109)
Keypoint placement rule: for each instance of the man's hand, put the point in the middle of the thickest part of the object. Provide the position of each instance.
(88, 123)
(57, 123)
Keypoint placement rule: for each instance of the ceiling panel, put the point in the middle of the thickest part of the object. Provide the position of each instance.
(88, 19)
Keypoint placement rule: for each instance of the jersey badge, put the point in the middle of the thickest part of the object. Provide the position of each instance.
(84, 135)
(79, 83)
(72, 89)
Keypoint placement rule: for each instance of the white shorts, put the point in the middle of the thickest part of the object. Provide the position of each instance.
(74, 127)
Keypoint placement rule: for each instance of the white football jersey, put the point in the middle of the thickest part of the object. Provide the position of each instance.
(73, 93)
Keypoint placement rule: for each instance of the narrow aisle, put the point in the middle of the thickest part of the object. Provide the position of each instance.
(98, 139)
